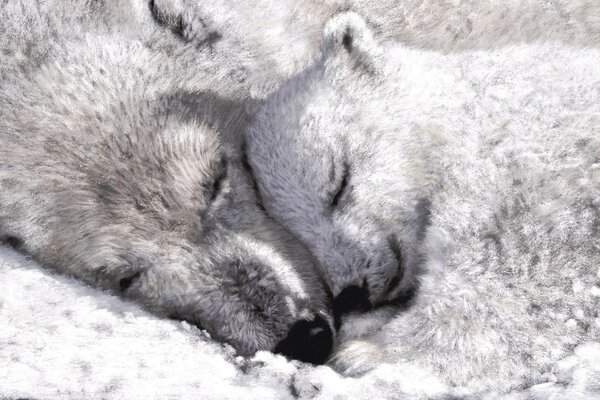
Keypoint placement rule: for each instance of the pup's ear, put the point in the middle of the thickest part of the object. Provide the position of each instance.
(348, 43)
(166, 12)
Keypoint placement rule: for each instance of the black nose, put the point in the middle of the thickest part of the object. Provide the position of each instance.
(352, 298)
(308, 341)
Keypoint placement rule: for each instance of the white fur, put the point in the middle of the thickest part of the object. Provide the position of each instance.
(269, 40)
(51, 343)
(503, 144)
(120, 165)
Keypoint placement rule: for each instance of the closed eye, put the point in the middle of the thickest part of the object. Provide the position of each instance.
(342, 187)
(215, 187)
(126, 282)
(248, 168)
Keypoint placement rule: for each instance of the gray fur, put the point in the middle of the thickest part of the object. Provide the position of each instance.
(290, 30)
(307, 130)
(505, 154)
(291, 37)
(110, 150)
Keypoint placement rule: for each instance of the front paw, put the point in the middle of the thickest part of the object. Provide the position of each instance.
(356, 357)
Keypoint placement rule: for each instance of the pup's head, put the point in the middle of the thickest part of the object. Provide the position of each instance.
(175, 225)
(339, 164)
(138, 193)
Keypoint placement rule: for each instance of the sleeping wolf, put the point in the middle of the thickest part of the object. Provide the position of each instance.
(473, 177)
(120, 167)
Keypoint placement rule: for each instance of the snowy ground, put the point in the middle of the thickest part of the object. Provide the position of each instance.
(62, 340)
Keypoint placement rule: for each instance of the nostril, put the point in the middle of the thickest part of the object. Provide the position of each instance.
(352, 298)
(308, 341)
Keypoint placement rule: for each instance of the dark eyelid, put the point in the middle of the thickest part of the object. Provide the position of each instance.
(342, 187)
(125, 283)
(332, 171)
(217, 183)
(213, 188)
(248, 169)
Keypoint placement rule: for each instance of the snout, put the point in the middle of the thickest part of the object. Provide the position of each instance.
(308, 341)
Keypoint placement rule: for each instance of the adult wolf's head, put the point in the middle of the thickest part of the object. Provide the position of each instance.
(338, 162)
(105, 178)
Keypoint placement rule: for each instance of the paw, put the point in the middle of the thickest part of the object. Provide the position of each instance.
(356, 357)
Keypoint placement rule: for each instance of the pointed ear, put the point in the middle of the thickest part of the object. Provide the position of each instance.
(347, 40)
(166, 12)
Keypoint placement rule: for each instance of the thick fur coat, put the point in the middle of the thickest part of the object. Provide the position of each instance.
(119, 167)
(482, 166)
(495, 228)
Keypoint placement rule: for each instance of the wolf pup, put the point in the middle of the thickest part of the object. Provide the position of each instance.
(476, 175)
(112, 171)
